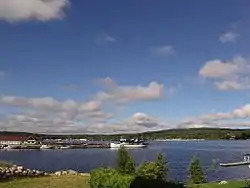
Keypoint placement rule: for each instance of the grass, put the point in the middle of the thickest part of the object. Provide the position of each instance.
(231, 184)
(67, 181)
(73, 181)
(4, 164)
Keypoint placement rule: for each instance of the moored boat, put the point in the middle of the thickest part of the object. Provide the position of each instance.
(10, 147)
(133, 143)
(65, 147)
(46, 147)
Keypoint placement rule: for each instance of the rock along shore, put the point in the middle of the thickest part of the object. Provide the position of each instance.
(19, 171)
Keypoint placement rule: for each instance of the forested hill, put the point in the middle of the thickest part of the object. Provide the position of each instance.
(195, 133)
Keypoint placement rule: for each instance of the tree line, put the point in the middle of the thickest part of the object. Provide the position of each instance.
(147, 175)
(193, 133)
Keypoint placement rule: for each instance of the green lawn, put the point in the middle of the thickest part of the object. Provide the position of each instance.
(73, 181)
(231, 184)
(49, 182)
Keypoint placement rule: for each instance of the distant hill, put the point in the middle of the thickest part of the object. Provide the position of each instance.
(193, 133)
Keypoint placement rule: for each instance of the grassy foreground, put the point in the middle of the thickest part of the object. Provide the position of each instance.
(72, 181)
(66, 181)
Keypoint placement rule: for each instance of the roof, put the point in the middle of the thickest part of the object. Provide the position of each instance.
(15, 138)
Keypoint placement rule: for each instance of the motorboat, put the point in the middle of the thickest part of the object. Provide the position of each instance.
(133, 143)
(46, 147)
(10, 147)
(65, 147)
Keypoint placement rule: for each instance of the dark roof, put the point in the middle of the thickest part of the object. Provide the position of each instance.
(15, 138)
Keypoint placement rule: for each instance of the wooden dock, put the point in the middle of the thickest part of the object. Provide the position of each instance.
(235, 164)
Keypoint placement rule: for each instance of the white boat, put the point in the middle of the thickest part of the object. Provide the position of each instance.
(46, 147)
(65, 147)
(127, 145)
(133, 143)
(10, 147)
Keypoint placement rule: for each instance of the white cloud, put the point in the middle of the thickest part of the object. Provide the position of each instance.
(110, 38)
(47, 115)
(228, 75)
(229, 36)
(105, 38)
(42, 10)
(220, 119)
(164, 51)
(125, 94)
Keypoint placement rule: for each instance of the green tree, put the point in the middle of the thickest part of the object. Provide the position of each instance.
(156, 170)
(162, 167)
(196, 174)
(125, 163)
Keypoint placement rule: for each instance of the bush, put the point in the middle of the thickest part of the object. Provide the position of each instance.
(125, 163)
(196, 174)
(162, 168)
(4, 164)
(109, 178)
(154, 170)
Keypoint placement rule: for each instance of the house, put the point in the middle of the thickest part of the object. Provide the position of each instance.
(31, 141)
(10, 140)
(17, 140)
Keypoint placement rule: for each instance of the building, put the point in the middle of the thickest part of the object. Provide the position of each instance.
(17, 140)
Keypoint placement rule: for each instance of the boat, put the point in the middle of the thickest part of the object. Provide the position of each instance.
(65, 147)
(46, 147)
(246, 161)
(10, 147)
(133, 143)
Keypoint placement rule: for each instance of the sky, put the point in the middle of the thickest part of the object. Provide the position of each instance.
(88, 67)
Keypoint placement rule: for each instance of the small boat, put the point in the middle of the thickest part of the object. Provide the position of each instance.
(46, 147)
(246, 161)
(133, 143)
(10, 147)
(65, 147)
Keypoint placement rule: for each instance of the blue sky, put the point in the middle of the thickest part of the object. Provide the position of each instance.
(129, 66)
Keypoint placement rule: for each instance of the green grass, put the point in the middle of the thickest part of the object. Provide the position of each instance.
(5, 164)
(73, 181)
(231, 184)
(66, 181)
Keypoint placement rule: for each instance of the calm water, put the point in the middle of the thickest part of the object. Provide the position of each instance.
(178, 156)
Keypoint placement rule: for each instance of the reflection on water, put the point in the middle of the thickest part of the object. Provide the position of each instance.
(178, 155)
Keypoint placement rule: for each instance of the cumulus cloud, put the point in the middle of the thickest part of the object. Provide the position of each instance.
(228, 75)
(220, 119)
(43, 122)
(105, 38)
(110, 39)
(49, 115)
(164, 51)
(42, 10)
(229, 36)
(125, 94)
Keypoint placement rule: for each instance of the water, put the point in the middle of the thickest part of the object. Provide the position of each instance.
(178, 155)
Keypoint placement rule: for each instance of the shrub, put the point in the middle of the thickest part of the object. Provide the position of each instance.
(196, 174)
(148, 170)
(109, 178)
(162, 168)
(4, 164)
(154, 170)
(125, 163)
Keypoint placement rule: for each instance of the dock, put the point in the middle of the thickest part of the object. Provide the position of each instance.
(235, 164)
(246, 161)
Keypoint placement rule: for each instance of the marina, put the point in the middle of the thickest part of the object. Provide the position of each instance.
(22, 143)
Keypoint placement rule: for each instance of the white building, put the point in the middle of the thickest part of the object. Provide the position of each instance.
(16, 140)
